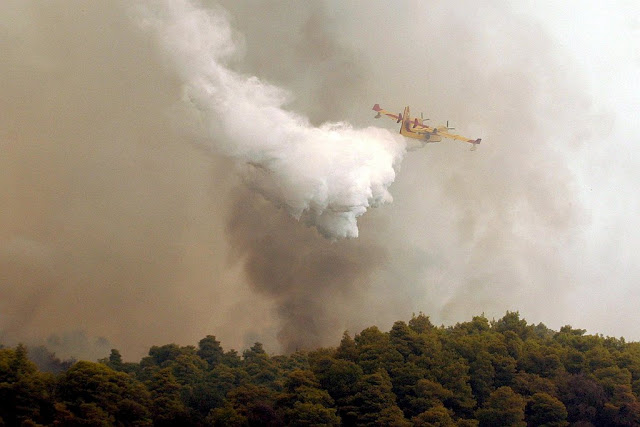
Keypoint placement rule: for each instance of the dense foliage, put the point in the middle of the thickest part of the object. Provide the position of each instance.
(486, 373)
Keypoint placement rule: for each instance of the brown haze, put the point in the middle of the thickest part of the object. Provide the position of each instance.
(115, 224)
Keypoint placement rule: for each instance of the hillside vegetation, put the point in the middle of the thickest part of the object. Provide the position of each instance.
(481, 372)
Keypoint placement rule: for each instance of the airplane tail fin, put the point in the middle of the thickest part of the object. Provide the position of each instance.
(405, 119)
(475, 143)
(377, 109)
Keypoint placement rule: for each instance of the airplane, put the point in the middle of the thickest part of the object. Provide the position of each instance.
(416, 129)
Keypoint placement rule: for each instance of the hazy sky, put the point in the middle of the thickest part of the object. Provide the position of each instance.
(129, 216)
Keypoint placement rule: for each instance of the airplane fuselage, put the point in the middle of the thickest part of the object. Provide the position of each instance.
(407, 125)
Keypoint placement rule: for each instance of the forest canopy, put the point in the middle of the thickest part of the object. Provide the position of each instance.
(475, 373)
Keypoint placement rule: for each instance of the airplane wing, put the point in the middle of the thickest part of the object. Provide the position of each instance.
(423, 129)
(380, 111)
(458, 137)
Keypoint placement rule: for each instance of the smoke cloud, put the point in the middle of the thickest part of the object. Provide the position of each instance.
(138, 146)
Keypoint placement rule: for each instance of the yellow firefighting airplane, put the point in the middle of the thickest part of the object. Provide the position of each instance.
(415, 128)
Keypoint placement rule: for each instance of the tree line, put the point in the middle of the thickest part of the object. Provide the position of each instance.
(503, 372)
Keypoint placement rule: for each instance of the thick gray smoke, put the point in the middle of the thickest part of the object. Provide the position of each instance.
(133, 140)
(314, 282)
(107, 219)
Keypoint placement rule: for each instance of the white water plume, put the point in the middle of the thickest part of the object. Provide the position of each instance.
(326, 176)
